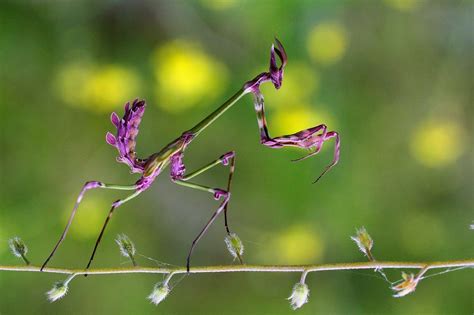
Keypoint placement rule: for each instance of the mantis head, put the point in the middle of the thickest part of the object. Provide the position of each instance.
(276, 73)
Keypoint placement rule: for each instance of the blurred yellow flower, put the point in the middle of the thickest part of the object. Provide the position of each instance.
(293, 119)
(300, 81)
(438, 143)
(89, 217)
(327, 43)
(186, 76)
(404, 5)
(110, 87)
(299, 244)
(219, 4)
(96, 88)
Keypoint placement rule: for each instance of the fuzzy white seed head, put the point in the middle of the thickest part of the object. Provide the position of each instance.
(363, 241)
(407, 286)
(159, 293)
(58, 291)
(127, 248)
(299, 295)
(17, 247)
(234, 245)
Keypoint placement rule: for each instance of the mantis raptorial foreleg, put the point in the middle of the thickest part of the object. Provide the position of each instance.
(306, 139)
(318, 145)
(312, 138)
(87, 186)
(178, 176)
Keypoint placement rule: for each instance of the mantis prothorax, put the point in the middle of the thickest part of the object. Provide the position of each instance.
(172, 154)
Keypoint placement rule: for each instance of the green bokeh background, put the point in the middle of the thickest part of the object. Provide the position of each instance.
(396, 83)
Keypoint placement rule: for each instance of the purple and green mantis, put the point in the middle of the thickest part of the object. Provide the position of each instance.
(172, 154)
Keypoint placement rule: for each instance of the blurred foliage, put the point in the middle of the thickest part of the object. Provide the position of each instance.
(96, 89)
(394, 77)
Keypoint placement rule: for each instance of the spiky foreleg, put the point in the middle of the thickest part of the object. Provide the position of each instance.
(337, 145)
(87, 186)
(312, 138)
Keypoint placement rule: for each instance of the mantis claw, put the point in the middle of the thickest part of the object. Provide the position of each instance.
(310, 154)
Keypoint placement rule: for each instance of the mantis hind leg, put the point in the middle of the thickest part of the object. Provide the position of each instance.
(87, 186)
(115, 205)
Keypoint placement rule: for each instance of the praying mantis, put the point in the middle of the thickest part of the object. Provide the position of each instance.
(172, 154)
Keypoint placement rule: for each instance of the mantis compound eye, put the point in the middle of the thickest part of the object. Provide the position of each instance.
(277, 78)
(276, 73)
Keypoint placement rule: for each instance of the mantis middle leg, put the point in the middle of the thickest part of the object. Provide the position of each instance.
(179, 178)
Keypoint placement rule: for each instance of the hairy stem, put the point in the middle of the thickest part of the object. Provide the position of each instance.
(134, 263)
(27, 262)
(469, 263)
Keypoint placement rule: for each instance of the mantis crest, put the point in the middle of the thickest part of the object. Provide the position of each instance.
(172, 154)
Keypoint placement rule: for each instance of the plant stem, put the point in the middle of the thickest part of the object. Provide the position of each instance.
(303, 276)
(134, 263)
(253, 268)
(27, 262)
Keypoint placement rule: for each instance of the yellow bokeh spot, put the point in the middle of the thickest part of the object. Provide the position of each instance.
(327, 43)
(293, 119)
(299, 83)
(89, 217)
(96, 88)
(298, 244)
(110, 87)
(186, 76)
(437, 143)
(219, 4)
(404, 5)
